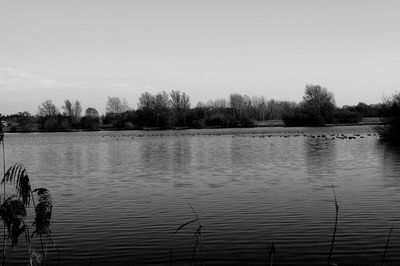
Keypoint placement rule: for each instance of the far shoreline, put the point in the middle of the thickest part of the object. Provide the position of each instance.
(369, 121)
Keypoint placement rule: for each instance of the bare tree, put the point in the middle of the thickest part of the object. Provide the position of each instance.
(201, 105)
(236, 103)
(68, 109)
(73, 111)
(220, 103)
(47, 109)
(147, 104)
(161, 106)
(91, 112)
(180, 104)
(146, 101)
(116, 105)
(162, 100)
(260, 106)
(217, 104)
(319, 101)
(77, 111)
(316, 97)
(179, 100)
(91, 120)
(276, 109)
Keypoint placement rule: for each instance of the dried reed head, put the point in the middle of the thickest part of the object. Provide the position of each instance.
(17, 176)
(43, 212)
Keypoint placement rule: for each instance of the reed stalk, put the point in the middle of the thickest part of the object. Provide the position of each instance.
(334, 230)
(4, 194)
(271, 254)
(197, 236)
(387, 245)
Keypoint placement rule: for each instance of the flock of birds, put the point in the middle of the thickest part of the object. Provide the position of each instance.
(326, 136)
(323, 136)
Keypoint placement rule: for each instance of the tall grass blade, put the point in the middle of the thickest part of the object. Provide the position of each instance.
(194, 212)
(202, 249)
(387, 245)
(197, 232)
(271, 254)
(194, 250)
(196, 235)
(198, 243)
(185, 224)
(334, 230)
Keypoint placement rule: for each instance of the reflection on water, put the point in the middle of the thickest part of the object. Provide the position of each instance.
(391, 164)
(119, 196)
(320, 155)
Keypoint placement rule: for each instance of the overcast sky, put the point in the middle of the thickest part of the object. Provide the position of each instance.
(89, 50)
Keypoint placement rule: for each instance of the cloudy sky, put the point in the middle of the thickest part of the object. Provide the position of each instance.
(92, 49)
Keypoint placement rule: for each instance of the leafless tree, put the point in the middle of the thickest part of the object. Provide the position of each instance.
(91, 112)
(260, 107)
(320, 101)
(146, 101)
(116, 105)
(47, 109)
(180, 104)
(68, 109)
(77, 111)
(73, 111)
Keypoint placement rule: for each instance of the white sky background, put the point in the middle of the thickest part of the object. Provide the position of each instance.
(89, 50)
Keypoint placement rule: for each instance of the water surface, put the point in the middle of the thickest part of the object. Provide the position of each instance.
(119, 196)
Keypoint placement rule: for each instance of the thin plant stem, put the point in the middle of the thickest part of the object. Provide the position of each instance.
(195, 248)
(45, 250)
(271, 254)
(28, 240)
(41, 244)
(387, 245)
(202, 249)
(4, 197)
(334, 230)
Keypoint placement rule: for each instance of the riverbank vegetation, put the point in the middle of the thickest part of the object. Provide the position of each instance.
(174, 111)
(390, 130)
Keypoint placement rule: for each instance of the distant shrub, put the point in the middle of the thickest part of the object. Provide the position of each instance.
(50, 124)
(64, 124)
(302, 118)
(346, 116)
(242, 122)
(215, 121)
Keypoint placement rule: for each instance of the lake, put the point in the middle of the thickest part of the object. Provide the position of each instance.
(120, 196)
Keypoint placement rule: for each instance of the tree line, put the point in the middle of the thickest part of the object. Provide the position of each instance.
(173, 110)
